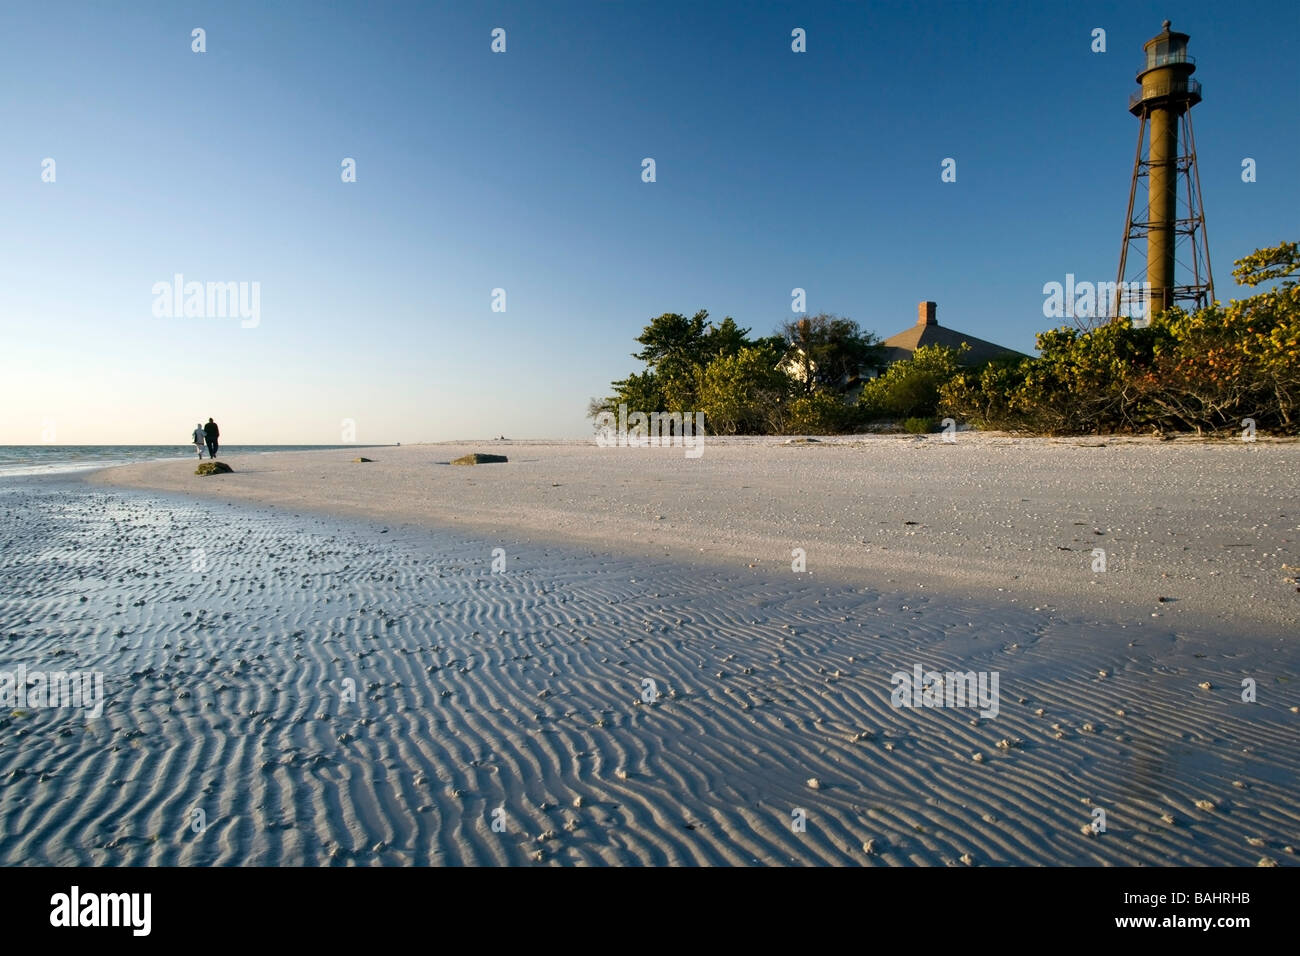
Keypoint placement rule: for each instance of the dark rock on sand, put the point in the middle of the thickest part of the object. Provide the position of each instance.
(479, 459)
(213, 468)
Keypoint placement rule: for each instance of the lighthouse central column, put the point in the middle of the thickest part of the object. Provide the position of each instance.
(1163, 195)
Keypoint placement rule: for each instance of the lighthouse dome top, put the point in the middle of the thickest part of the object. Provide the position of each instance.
(1166, 49)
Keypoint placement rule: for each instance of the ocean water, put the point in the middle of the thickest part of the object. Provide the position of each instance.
(56, 459)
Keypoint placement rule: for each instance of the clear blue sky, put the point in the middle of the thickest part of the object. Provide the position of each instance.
(522, 171)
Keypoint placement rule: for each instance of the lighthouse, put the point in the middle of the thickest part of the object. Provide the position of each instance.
(1173, 220)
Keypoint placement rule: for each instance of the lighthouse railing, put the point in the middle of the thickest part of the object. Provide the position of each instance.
(1191, 87)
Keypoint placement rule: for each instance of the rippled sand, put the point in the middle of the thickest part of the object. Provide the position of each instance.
(520, 699)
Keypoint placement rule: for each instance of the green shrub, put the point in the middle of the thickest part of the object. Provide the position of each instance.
(918, 426)
(820, 413)
(1190, 371)
(910, 388)
(745, 393)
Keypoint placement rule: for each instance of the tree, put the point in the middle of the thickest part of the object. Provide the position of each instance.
(910, 388)
(744, 393)
(673, 340)
(725, 339)
(828, 351)
(640, 391)
(677, 349)
(1279, 262)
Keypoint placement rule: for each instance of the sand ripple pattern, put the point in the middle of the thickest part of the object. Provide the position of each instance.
(287, 690)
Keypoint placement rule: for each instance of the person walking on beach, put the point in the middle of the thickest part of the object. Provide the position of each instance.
(211, 432)
(200, 438)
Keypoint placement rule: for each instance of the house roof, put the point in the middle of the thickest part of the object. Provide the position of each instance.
(928, 331)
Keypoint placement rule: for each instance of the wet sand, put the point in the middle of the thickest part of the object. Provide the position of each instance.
(289, 686)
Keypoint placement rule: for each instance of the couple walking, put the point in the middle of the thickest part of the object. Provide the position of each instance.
(206, 435)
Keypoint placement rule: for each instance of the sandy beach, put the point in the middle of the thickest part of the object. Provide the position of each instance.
(1207, 527)
(603, 656)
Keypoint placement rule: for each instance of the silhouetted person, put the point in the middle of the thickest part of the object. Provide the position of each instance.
(200, 438)
(211, 432)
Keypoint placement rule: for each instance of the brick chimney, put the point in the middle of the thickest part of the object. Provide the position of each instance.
(925, 313)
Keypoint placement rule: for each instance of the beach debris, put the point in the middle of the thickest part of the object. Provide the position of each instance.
(869, 848)
(213, 468)
(1267, 861)
(362, 459)
(1205, 685)
(477, 458)
(1206, 805)
(967, 859)
(814, 783)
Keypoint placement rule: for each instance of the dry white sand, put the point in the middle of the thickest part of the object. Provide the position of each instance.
(1210, 528)
(516, 698)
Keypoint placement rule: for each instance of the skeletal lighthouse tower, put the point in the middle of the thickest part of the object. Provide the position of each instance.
(1173, 219)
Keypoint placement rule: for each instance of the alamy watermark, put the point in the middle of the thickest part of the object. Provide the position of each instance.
(208, 300)
(35, 690)
(75, 908)
(656, 429)
(1099, 300)
(923, 688)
